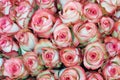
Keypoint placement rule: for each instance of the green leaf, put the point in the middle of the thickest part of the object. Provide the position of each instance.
(19, 52)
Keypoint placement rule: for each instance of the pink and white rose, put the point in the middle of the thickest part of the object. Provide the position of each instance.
(14, 68)
(72, 73)
(7, 26)
(94, 55)
(70, 56)
(42, 23)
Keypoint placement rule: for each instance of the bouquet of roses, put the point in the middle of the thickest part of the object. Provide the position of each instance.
(59, 39)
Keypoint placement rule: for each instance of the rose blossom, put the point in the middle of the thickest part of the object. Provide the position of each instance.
(47, 4)
(112, 46)
(106, 25)
(7, 44)
(94, 76)
(7, 26)
(42, 23)
(92, 12)
(94, 55)
(72, 73)
(70, 56)
(5, 6)
(32, 63)
(86, 33)
(116, 31)
(22, 14)
(111, 70)
(45, 75)
(109, 5)
(14, 68)
(72, 12)
(26, 39)
(62, 36)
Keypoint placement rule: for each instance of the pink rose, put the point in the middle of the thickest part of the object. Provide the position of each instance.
(86, 33)
(94, 55)
(45, 75)
(7, 44)
(106, 25)
(70, 56)
(72, 12)
(112, 46)
(72, 73)
(62, 36)
(26, 39)
(14, 68)
(47, 4)
(92, 12)
(111, 70)
(7, 26)
(116, 31)
(22, 14)
(32, 63)
(42, 23)
(5, 6)
(94, 76)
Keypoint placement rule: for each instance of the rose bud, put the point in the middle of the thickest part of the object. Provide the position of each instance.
(72, 12)
(94, 76)
(109, 5)
(26, 39)
(86, 33)
(70, 56)
(92, 12)
(62, 36)
(42, 23)
(7, 26)
(72, 73)
(106, 25)
(32, 63)
(112, 45)
(5, 6)
(45, 75)
(14, 68)
(22, 14)
(94, 55)
(7, 44)
(116, 31)
(47, 4)
(111, 70)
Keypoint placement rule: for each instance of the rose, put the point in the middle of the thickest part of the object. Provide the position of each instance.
(32, 63)
(42, 23)
(14, 68)
(70, 56)
(116, 31)
(62, 36)
(45, 75)
(22, 14)
(94, 55)
(111, 70)
(72, 12)
(112, 46)
(5, 6)
(7, 44)
(72, 73)
(47, 4)
(94, 76)
(50, 57)
(7, 26)
(106, 25)
(26, 39)
(92, 12)
(109, 5)
(86, 33)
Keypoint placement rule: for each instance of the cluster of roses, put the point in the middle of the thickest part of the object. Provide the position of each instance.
(60, 39)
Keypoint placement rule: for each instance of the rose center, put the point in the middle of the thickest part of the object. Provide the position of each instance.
(92, 11)
(93, 55)
(113, 71)
(49, 56)
(69, 58)
(67, 78)
(14, 68)
(106, 23)
(30, 62)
